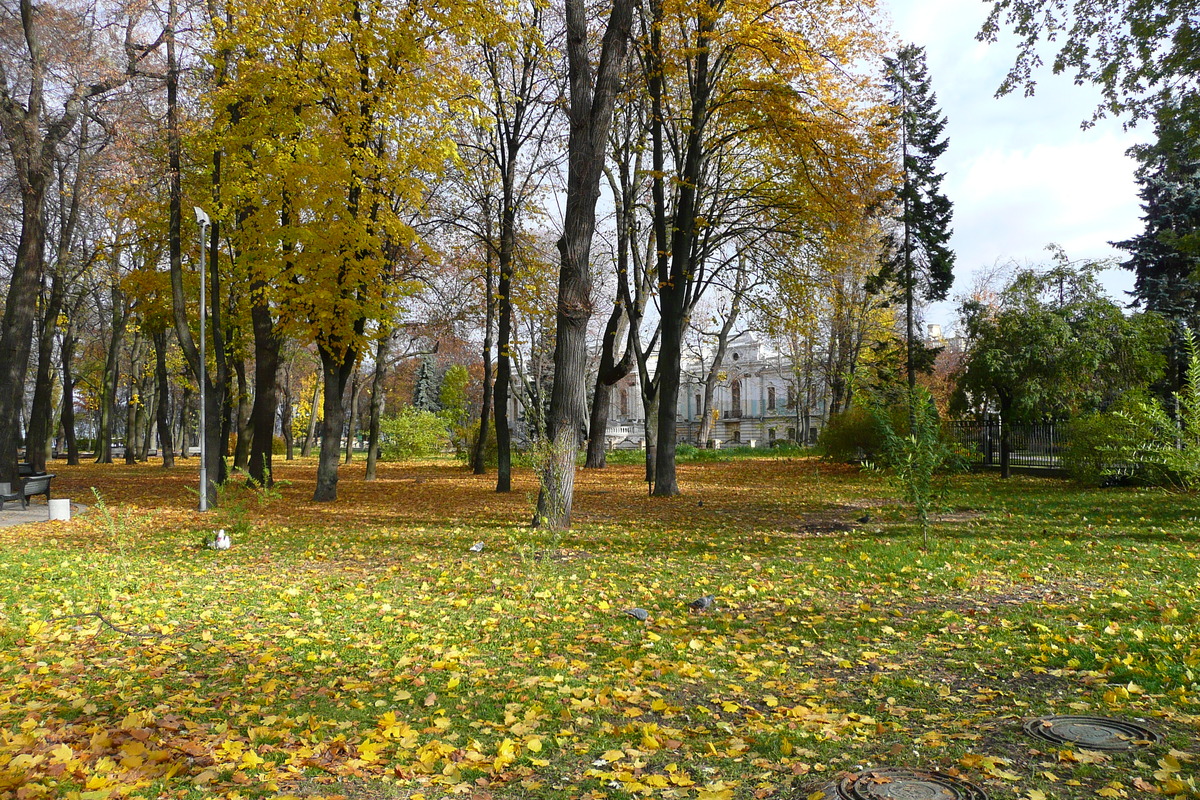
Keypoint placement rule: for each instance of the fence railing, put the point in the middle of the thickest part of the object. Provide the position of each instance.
(1036, 445)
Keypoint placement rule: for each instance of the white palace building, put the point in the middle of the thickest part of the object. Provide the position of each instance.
(754, 402)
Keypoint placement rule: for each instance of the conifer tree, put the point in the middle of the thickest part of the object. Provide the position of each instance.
(918, 262)
(428, 387)
(1165, 255)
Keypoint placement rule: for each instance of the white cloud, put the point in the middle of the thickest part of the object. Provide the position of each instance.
(1020, 171)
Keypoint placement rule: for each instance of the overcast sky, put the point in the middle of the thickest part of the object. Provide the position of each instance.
(1020, 171)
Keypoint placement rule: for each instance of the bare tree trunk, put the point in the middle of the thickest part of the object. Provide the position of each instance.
(42, 410)
(184, 407)
(674, 275)
(245, 420)
(306, 448)
(133, 402)
(382, 351)
(503, 390)
(111, 376)
(215, 384)
(650, 425)
(162, 411)
(262, 415)
(336, 372)
(67, 357)
(610, 372)
(285, 415)
(479, 457)
(590, 113)
(352, 428)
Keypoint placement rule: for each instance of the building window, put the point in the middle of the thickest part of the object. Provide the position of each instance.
(771, 398)
(735, 399)
(791, 434)
(737, 436)
(770, 434)
(624, 402)
(699, 405)
(791, 397)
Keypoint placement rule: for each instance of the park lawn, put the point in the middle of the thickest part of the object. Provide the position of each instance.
(359, 649)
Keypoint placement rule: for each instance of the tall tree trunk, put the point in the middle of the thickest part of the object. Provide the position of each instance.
(185, 406)
(67, 358)
(1005, 438)
(650, 426)
(479, 456)
(42, 409)
(610, 372)
(214, 384)
(245, 420)
(590, 113)
(286, 404)
(675, 280)
(352, 428)
(266, 369)
(133, 403)
(19, 309)
(597, 438)
(503, 390)
(382, 352)
(311, 435)
(336, 372)
(111, 378)
(131, 415)
(162, 410)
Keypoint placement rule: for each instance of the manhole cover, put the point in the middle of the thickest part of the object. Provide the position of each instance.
(1094, 733)
(906, 784)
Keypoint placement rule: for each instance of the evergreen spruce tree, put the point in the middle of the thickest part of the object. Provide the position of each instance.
(1165, 256)
(427, 389)
(918, 261)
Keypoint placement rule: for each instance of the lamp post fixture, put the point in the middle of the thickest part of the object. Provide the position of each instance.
(204, 222)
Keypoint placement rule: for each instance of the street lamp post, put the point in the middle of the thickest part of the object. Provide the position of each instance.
(204, 222)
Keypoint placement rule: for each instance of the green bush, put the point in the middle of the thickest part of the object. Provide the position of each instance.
(850, 436)
(1159, 449)
(413, 433)
(470, 435)
(1092, 441)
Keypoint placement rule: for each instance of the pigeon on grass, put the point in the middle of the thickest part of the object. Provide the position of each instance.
(639, 614)
(476, 548)
(702, 603)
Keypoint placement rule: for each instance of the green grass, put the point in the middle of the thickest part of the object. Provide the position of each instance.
(359, 649)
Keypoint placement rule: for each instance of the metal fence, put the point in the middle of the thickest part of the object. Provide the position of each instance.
(1036, 445)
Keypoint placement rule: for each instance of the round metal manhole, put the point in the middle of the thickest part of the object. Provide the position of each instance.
(906, 784)
(1093, 733)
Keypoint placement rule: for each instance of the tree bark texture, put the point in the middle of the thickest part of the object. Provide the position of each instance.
(590, 113)
(262, 414)
(67, 356)
(42, 415)
(311, 434)
(479, 456)
(352, 428)
(611, 371)
(162, 410)
(336, 370)
(382, 353)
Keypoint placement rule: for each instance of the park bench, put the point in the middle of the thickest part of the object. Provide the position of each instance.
(33, 486)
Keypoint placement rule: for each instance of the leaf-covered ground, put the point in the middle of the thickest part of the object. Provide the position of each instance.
(360, 649)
